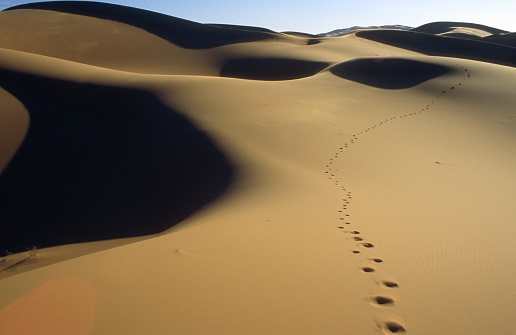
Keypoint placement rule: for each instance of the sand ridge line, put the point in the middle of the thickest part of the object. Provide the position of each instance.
(392, 324)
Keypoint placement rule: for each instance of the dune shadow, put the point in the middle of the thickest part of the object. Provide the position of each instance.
(184, 33)
(447, 26)
(444, 46)
(102, 163)
(270, 68)
(388, 73)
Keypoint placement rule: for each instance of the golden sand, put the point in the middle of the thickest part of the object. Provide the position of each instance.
(180, 178)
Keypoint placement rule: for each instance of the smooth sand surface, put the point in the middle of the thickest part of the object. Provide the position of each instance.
(214, 179)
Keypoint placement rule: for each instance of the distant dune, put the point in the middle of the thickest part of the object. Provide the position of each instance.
(162, 176)
(345, 31)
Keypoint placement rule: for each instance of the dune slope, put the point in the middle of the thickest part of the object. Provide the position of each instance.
(101, 162)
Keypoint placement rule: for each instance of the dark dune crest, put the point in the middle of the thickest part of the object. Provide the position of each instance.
(242, 28)
(102, 163)
(184, 33)
(444, 46)
(388, 73)
(445, 26)
(508, 39)
(496, 35)
(271, 68)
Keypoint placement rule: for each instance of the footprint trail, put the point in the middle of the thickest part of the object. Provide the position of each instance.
(387, 323)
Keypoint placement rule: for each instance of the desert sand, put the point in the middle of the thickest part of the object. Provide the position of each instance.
(161, 176)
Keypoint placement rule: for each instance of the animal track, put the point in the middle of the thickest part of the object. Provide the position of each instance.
(382, 300)
(392, 324)
(394, 328)
(390, 284)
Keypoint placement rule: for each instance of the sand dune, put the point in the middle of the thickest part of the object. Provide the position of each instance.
(469, 31)
(435, 45)
(161, 176)
(446, 27)
(120, 165)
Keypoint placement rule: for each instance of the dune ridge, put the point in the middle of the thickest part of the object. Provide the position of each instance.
(184, 33)
(444, 27)
(444, 46)
(237, 180)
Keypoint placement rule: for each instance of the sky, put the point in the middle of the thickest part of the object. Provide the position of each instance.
(320, 16)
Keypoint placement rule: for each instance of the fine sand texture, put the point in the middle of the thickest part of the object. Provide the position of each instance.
(161, 176)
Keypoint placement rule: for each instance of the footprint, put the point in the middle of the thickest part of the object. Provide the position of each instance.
(356, 251)
(376, 260)
(390, 323)
(357, 238)
(386, 282)
(368, 269)
(368, 245)
(382, 300)
(395, 327)
(390, 284)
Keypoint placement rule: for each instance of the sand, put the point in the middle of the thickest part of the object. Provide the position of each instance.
(213, 179)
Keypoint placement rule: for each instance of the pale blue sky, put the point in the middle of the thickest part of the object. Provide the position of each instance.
(318, 16)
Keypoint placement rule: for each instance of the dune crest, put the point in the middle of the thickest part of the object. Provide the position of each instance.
(13, 128)
(436, 45)
(186, 34)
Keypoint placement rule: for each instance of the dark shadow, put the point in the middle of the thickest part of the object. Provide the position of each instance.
(270, 68)
(508, 39)
(313, 41)
(388, 73)
(184, 33)
(102, 163)
(240, 27)
(444, 46)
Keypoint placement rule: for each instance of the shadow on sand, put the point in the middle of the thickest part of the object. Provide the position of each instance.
(444, 46)
(102, 163)
(388, 73)
(270, 68)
